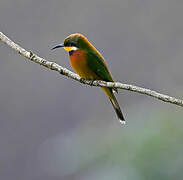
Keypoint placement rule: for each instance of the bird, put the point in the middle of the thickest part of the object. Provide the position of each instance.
(89, 64)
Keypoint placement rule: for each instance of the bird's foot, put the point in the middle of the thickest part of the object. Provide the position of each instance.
(82, 80)
(91, 82)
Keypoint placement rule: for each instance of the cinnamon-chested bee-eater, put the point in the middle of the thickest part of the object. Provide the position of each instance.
(89, 64)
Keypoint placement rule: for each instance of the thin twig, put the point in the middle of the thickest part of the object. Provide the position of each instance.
(53, 66)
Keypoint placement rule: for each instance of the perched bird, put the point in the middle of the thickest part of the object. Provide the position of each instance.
(89, 64)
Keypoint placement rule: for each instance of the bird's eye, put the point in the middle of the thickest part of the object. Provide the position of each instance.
(73, 44)
(70, 44)
(66, 44)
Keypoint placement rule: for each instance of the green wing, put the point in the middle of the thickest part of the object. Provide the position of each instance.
(97, 64)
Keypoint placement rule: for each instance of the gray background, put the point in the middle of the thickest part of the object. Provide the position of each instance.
(52, 127)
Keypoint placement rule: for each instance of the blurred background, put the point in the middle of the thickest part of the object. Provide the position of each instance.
(53, 128)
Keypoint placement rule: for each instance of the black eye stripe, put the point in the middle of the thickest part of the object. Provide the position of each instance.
(70, 44)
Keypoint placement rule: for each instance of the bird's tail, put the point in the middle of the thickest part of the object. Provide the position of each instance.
(115, 104)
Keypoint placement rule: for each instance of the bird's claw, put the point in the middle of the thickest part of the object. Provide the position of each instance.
(82, 80)
(91, 82)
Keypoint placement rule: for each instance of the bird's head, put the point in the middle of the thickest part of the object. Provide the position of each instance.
(74, 42)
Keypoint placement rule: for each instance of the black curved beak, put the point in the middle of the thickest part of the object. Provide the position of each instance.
(57, 46)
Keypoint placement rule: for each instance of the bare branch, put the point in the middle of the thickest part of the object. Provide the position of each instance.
(53, 66)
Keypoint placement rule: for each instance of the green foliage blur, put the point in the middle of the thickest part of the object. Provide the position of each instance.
(150, 147)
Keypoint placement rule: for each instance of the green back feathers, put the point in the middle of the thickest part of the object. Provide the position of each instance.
(98, 66)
